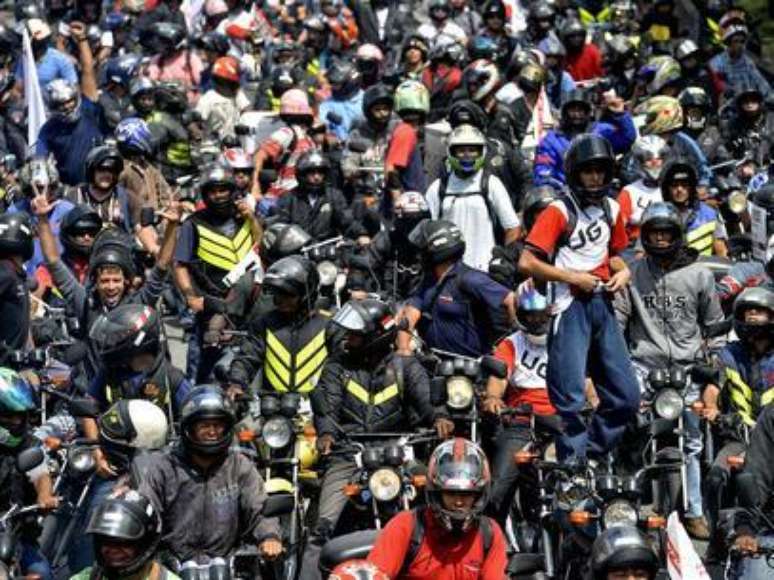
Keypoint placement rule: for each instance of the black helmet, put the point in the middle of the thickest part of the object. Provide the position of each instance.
(588, 149)
(695, 98)
(81, 219)
(622, 547)
(126, 331)
(141, 85)
(282, 80)
(111, 256)
(213, 177)
(207, 402)
(343, 78)
(131, 425)
(680, 168)
(168, 35)
(376, 95)
(572, 123)
(438, 240)
(757, 297)
(171, 97)
(541, 11)
(466, 112)
(371, 319)
(132, 519)
(214, 42)
(294, 275)
(535, 201)
(103, 157)
(16, 235)
(662, 216)
(283, 240)
(572, 27)
(312, 160)
(494, 9)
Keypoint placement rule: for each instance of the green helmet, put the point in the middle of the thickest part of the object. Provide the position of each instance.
(16, 397)
(412, 96)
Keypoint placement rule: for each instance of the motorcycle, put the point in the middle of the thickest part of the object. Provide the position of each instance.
(326, 254)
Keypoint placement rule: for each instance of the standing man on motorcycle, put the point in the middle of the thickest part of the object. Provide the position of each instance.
(450, 538)
(670, 305)
(288, 345)
(209, 499)
(365, 389)
(704, 228)
(211, 244)
(574, 245)
(458, 309)
(126, 532)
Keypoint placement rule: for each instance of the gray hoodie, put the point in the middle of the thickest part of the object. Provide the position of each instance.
(664, 314)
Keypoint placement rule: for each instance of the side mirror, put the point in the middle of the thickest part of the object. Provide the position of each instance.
(493, 367)
(83, 407)
(278, 504)
(357, 146)
(30, 458)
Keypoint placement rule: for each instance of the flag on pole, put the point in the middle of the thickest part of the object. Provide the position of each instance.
(33, 95)
(683, 563)
(191, 10)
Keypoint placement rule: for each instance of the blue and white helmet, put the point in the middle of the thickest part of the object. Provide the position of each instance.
(134, 136)
(59, 92)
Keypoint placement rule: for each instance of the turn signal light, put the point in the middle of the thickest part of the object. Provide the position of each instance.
(524, 457)
(52, 443)
(351, 490)
(419, 480)
(246, 436)
(735, 461)
(580, 518)
(655, 522)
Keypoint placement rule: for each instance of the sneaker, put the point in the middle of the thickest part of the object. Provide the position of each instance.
(697, 528)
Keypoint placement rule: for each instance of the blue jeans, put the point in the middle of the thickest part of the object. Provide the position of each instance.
(754, 568)
(693, 447)
(33, 562)
(585, 339)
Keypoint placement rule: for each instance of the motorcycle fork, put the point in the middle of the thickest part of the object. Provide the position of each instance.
(64, 542)
(545, 533)
(684, 464)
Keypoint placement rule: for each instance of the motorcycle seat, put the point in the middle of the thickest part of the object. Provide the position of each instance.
(352, 546)
(521, 564)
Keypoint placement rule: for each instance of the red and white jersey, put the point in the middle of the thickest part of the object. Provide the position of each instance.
(634, 199)
(527, 370)
(586, 249)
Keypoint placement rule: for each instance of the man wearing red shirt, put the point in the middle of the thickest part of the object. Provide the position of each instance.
(450, 539)
(583, 60)
(403, 167)
(573, 246)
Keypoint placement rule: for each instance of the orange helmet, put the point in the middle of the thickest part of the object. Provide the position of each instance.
(357, 570)
(226, 68)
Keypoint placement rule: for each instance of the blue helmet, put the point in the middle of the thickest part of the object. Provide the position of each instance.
(16, 397)
(134, 136)
(122, 69)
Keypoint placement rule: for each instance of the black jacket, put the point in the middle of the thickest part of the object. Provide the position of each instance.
(329, 217)
(359, 397)
(758, 462)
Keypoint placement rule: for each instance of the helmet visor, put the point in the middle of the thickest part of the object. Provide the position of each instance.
(351, 319)
(114, 520)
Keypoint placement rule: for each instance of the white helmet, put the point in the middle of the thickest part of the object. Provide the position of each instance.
(466, 135)
(649, 153)
(134, 423)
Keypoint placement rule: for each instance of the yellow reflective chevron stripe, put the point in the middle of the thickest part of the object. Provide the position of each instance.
(364, 396)
(741, 395)
(299, 373)
(221, 251)
(767, 397)
(313, 67)
(701, 238)
(586, 17)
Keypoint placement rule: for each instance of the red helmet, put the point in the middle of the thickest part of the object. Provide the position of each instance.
(357, 570)
(458, 465)
(226, 68)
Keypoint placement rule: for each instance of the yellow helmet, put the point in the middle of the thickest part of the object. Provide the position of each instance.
(306, 452)
(662, 114)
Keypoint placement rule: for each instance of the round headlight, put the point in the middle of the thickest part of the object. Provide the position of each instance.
(620, 513)
(737, 202)
(276, 432)
(668, 404)
(459, 391)
(81, 459)
(328, 272)
(384, 484)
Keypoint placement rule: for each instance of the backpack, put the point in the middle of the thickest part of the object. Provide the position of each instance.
(499, 233)
(418, 534)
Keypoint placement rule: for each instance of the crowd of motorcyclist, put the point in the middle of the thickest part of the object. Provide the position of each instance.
(499, 233)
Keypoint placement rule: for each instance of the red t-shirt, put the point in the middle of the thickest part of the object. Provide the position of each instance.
(586, 64)
(551, 224)
(441, 556)
(402, 145)
(515, 397)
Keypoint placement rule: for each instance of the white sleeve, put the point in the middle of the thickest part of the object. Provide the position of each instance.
(431, 195)
(501, 202)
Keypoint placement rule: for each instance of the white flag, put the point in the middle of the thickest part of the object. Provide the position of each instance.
(683, 563)
(191, 10)
(36, 110)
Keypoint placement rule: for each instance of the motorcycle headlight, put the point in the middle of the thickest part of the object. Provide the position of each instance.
(668, 404)
(459, 391)
(328, 272)
(620, 513)
(737, 202)
(81, 459)
(276, 432)
(384, 484)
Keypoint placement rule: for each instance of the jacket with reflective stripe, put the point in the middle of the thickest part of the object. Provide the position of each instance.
(393, 395)
(291, 354)
(749, 384)
(218, 253)
(700, 229)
